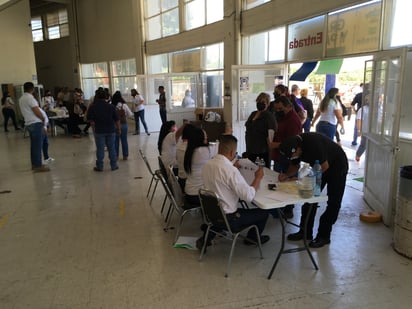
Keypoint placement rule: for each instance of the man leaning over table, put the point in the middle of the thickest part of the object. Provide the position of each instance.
(308, 147)
(222, 177)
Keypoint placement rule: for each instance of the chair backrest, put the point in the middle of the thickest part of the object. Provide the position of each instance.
(162, 167)
(212, 209)
(169, 193)
(175, 188)
(146, 162)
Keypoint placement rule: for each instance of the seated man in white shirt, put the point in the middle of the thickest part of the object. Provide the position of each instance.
(222, 177)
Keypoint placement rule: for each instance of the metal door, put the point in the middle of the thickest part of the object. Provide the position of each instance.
(384, 74)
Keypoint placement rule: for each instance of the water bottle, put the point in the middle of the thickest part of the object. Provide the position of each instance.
(260, 162)
(306, 180)
(317, 172)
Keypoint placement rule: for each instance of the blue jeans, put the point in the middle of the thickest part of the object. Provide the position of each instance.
(355, 134)
(36, 140)
(326, 128)
(140, 115)
(101, 140)
(123, 139)
(306, 125)
(45, 146)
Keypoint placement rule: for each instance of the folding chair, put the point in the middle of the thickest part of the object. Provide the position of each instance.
(179, 204)
(154, 179)
(217, 223)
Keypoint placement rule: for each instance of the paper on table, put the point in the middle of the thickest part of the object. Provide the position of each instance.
(186, 242)
(247, 169)
(278, 196)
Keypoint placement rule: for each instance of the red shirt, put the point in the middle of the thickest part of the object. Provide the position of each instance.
(290, 125)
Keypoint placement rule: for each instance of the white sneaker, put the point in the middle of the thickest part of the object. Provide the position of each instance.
(49, 160)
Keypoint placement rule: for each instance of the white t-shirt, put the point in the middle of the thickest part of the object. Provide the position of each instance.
(46, 119)
(329, 114)
(26, 103)
(220, 176)
(136, 100)
(201, 156)
(169, 150)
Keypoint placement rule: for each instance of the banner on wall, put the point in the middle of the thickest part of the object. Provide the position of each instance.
(329, 66)
(302, 73)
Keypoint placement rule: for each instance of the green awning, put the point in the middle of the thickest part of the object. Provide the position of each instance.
(329, 66)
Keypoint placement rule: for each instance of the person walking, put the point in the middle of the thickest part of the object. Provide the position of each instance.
(138, 106)
(105, 122)
(8, 111)
(34, 122)
(162, 104)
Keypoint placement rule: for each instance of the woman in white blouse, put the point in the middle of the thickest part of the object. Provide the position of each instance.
(330, 114)
(198, 152)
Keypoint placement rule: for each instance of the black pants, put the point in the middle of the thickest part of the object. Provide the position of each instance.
(7, 114)
(163, 115)
(243, 218)
(335, 190)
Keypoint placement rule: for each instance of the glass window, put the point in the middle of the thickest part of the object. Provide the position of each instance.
(400, 22)
(94, 75)
(158, 64)
(57, 24)
(183, 91)
(272, 47)
(124, 76)
(200, 12)
(154, 28)
(124, 67)
(213, 59)
(37, 29)
(161, 18)
(249, 4)
(170, 22)
(214, 11)
(195, 14)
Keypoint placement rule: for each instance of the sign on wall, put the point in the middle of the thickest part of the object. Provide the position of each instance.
(354, 31)
(306, 39)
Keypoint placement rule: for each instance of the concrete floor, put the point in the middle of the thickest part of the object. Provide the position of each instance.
(74, 238)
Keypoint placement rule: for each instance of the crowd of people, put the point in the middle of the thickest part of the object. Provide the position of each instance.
(277, 132)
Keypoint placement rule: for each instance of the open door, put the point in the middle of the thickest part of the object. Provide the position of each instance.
(384, 74)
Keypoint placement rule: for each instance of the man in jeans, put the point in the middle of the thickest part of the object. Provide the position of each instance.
(33, 122)
(105, 122)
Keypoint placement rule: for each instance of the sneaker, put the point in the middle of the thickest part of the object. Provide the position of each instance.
(148, 133)
(115, 168)
(263, 239)
(96, 169)
(354, 143)
(49, 159)
(298, 236)
(41, 169)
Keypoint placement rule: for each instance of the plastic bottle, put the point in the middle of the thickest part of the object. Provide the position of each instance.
(306, 180)
(260, 162)
(257, 161)
(317, 172)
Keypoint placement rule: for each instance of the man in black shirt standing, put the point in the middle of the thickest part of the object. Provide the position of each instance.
(308, 147)
(106, 124)
(162, 104)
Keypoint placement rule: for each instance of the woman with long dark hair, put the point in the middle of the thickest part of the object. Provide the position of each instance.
(198, 152)
(8, 111)
(124, 112)
(330, 114)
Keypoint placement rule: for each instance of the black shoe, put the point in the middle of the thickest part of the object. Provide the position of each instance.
(298, 236)
(136, 133)
(319, 242)
(115, 168)
(96, 169)
(17, 129)
(200, 242)
(148, 133)
(263, 239)
(288, 214)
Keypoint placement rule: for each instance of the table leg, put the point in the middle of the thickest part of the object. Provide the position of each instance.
(305, 242)
(282, 246)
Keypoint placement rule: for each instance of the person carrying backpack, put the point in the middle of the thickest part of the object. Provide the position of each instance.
(124, 112)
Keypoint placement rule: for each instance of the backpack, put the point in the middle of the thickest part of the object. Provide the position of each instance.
(122, 114)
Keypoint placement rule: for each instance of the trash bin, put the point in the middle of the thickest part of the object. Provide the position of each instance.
(403, 217)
